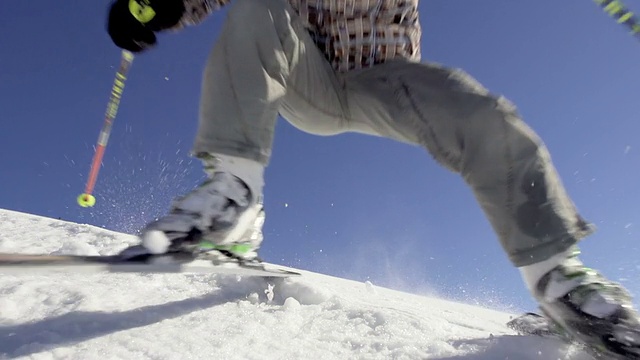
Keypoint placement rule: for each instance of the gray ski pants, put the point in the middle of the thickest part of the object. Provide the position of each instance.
(265, 63)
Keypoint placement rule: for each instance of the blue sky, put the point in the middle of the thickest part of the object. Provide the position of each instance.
(349, 205)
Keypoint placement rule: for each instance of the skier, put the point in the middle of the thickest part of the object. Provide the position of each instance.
(335, 66)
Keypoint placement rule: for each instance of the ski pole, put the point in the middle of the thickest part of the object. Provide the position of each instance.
(87, 199)
(618, 11)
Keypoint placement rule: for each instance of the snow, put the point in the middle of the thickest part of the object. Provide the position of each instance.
(195, 316)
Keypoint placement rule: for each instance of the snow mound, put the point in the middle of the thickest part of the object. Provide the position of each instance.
(192, 316)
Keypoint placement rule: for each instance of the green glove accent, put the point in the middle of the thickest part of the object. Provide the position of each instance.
(142, 10)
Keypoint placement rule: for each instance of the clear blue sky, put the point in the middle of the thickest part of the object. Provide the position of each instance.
(347, 205)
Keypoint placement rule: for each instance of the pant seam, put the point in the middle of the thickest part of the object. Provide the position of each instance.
(510, 183)
(438, 152)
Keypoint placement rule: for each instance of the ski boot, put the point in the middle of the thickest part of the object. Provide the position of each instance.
(591, 309)
(220, 220)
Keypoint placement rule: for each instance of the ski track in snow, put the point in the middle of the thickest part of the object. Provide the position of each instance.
(195, 316)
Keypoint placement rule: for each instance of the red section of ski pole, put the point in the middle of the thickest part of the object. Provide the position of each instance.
(87, 199)
(95, 167)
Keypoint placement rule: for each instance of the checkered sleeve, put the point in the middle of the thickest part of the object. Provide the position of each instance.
(356, 34)
(197, 10)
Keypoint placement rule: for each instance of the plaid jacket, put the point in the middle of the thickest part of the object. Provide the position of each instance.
(352, 34)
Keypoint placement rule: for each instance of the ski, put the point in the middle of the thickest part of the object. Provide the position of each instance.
(13, 263)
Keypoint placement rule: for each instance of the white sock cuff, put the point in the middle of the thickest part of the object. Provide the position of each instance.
(531, 274)
(249, 171)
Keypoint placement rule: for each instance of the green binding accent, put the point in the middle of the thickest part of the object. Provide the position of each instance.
(142, 10)
(206, 245)
(234, 248)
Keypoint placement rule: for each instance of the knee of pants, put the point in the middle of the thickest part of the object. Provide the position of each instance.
(475, 129)
(497, 138)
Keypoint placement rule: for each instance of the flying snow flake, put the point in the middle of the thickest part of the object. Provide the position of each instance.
(627, 149)
(269, 292)
(166, 78)
(628, 225)
(369, 286)
(286, 205)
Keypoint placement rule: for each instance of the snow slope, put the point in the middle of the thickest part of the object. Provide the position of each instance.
(192, 316)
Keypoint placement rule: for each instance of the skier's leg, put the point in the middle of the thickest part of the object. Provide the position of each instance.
(263, 54)
(247, 75)
(480, 136)
(507, 166)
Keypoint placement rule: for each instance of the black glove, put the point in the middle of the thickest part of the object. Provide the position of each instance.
(132, 24)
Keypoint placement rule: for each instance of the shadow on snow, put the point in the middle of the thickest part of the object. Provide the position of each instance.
(75, 327)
